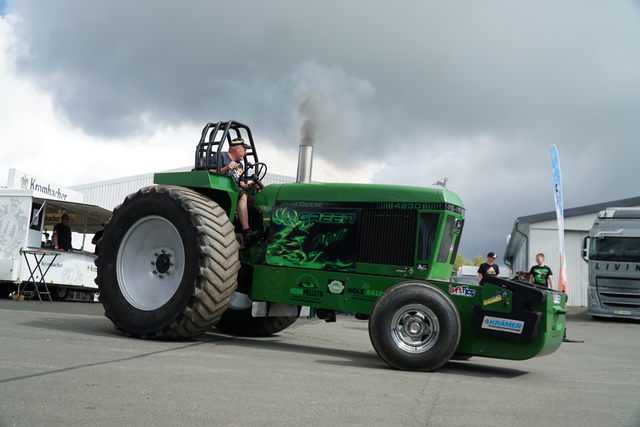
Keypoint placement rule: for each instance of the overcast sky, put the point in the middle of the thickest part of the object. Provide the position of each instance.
(406, 92)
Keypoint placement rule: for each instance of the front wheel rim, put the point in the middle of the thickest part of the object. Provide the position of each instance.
(150, 263)
(415, 328)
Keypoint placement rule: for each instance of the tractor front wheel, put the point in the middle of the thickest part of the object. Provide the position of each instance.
(414, 327)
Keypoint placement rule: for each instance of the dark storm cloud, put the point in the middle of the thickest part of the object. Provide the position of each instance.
(495, 82)
(460, 67)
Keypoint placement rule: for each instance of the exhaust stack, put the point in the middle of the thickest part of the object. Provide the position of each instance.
(305, 161)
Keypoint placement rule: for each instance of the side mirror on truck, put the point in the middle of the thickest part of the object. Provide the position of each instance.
(585, 248)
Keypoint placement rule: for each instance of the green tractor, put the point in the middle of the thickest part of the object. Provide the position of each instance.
(173, 264)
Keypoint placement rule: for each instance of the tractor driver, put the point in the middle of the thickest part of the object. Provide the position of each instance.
(232, 166)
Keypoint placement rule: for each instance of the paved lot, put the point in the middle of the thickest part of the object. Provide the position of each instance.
(64, 364)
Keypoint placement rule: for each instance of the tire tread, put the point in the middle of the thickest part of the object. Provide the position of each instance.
(219, 265)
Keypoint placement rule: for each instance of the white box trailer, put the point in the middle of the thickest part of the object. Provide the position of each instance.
(26, 225)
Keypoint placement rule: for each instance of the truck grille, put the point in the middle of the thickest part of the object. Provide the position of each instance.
(621, 304)
(618, 292)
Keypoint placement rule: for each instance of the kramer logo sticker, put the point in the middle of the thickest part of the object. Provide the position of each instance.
(336, 286)
(504, 325)
(463, 291)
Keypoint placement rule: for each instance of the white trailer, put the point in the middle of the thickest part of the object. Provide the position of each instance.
(26, 254)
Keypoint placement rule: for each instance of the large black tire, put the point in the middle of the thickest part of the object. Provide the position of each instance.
(168, 263)
(240, 322)
(414, 327)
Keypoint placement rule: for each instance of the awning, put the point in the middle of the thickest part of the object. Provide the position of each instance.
(84, 218)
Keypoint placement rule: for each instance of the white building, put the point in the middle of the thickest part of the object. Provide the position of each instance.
(539, 233)
(111, 193)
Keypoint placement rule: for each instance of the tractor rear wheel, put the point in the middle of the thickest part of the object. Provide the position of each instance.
(240, 322)
(414, 327)
(168, 263)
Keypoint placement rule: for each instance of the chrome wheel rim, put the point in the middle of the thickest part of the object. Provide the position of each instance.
(415, 328)
(150, 263)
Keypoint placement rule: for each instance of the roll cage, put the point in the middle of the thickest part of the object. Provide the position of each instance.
(216, 136)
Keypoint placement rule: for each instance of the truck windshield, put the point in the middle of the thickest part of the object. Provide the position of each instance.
(626, 249)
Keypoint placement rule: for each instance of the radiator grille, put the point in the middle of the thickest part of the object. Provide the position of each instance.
(387, 237)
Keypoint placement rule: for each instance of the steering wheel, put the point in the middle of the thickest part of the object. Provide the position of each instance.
(259, 170)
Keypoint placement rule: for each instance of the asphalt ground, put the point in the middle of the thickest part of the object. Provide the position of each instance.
(64, 364)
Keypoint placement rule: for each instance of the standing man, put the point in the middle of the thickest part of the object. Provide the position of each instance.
(62, 234)
(232, 166)
(96, 240)
(488, 268)
(540, 274)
